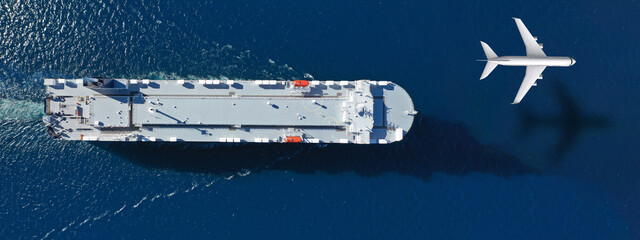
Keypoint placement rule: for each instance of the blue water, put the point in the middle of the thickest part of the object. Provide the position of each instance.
(472, 166)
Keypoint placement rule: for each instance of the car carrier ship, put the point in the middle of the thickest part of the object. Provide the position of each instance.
(260, 111)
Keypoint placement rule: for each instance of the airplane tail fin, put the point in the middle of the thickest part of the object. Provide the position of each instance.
(490, 55)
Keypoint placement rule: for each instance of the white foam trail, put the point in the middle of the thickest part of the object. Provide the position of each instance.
(211, 183)
(307, 75)
(20, 110)
(120, 210)
(141, 200)
(85, 221)
(67, 227)
(101, 216)
(47, 235)
(245, 173)
(155, 197)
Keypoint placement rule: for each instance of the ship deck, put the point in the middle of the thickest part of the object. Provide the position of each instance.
(228, 111)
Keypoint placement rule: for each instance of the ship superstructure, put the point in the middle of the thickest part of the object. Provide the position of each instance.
(261, 111)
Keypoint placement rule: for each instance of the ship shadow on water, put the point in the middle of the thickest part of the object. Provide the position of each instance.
(431, 146)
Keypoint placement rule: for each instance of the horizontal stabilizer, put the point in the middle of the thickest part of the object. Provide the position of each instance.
(490, 55)
(487, 51)
(488, 69)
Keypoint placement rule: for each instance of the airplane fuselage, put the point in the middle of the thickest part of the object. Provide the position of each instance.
(533, 61)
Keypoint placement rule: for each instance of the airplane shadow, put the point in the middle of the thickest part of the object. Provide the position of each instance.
(570, 122)
(432, 146)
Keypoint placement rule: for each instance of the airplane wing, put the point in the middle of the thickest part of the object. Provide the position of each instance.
(533, 49)
(529, 79)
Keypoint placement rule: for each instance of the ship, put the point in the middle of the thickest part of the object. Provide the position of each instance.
(229, 111)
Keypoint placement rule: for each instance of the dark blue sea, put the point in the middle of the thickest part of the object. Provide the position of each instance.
(561, 165)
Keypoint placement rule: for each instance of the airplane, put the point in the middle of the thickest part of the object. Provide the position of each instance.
(535, 61)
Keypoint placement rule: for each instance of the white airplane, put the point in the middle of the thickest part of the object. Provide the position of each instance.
(535, 61)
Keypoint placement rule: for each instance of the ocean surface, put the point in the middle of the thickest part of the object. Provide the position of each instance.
(561, 165)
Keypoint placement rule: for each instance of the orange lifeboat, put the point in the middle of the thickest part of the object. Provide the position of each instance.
(293, 139)
(300, 83)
